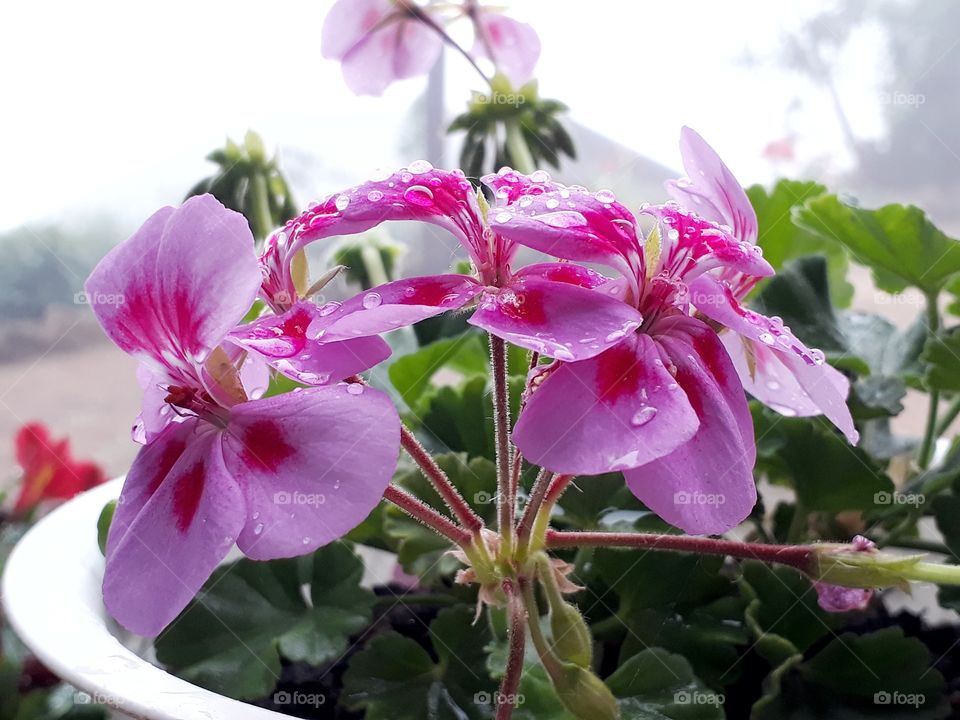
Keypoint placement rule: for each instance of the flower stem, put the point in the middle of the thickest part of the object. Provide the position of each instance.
(930, 434)
(441, 483)
(537, 493)
(517, 145)
(516, 641)
(795, 556)
(541, 520)
(423, 17)
(550, 661)
(421, 512)
(944, 422)
(501, 422)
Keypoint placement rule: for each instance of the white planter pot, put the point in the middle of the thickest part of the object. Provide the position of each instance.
(52, 598)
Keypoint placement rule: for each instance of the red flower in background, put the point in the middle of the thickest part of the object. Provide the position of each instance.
(49, 471)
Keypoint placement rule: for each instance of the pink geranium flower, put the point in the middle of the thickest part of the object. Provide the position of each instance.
(548, 307)
(512, 46)
(663, 403)
(278, 476)
(379, 41)
(767, 362)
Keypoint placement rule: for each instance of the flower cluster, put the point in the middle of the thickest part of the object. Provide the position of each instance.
(641, 371)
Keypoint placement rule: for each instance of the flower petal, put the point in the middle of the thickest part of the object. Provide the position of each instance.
(817, 379)
(564, 272)
(393, 305)
(706, 485)
(617, 410)
(514, 45)
(711, 190)
(314, 463)
(508, 185)
(836, 598)
(179, 284)
(192, 511)
(283, 343)
(574, 224)
(558, 319)
(399, 49)
(348, 22)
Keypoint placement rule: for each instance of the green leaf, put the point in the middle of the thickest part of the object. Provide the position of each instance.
(898, 242)
(103, 525)
(826, 472)
(783, 240)
(589, 502)
(395, 678)
(412, 374)
(656, 684)
(231, 637)
(881, 674)
(942, 356)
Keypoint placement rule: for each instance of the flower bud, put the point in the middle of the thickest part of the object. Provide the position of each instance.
(571, 636)
(584, 694)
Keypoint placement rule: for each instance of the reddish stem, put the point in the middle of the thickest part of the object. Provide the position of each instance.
(537, 494)
(501, 427)
(422, 512)
(557, 487)
(796, 556)
(506, 699)
(441, 483)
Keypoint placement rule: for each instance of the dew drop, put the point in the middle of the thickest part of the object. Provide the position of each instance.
(419, 167)
(503, 217)
(419, 195)
(605, 196)
(553, 204)
(644, 416)
(372, 300)
(306, 540)
(374, 195)
(615, 335)
(355, 389)
(328, 309)
(766, 338)
(341, 202)
(258, 529)
(540, 176)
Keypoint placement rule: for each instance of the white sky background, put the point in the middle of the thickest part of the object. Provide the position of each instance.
(110, 106)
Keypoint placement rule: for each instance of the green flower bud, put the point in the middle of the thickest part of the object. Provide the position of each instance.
(584, 694)
(864, 567)
(572, 641)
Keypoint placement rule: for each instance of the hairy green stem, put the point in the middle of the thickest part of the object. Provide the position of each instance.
(516, 642)
(930, 434)
(506, 501)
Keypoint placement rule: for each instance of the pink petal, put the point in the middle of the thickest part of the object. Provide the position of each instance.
(711, 190)
(835, 598)
(816, 379)
(558, 319)
(691, 245)
(314, 463)
(349, 22)
(564, 272)
(179, 284)
(515, 45)
(421, 192)
(191, 519)
(617, 410)
(282, 342)
(573, 224)
(508, 185)
(706, 485)
(393, 305)
(155, 413)
(400, 49)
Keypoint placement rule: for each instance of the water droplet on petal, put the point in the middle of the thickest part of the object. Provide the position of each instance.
(342, 202)
(605, 196)
(355, 389)
(766, 338)
(328, 309)
(419, 167)
(374, 195)
(258, 529)
(419, 195)
(306, 541)
(773, 384)
(552, 204)
(503, 217)
(615, 335)
(372, 300)
(644, 416)
(540, 176)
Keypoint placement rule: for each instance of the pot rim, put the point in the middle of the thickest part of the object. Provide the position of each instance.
(58, 559)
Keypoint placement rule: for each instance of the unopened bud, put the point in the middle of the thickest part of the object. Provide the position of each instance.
(571, 636)
(584, 694)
